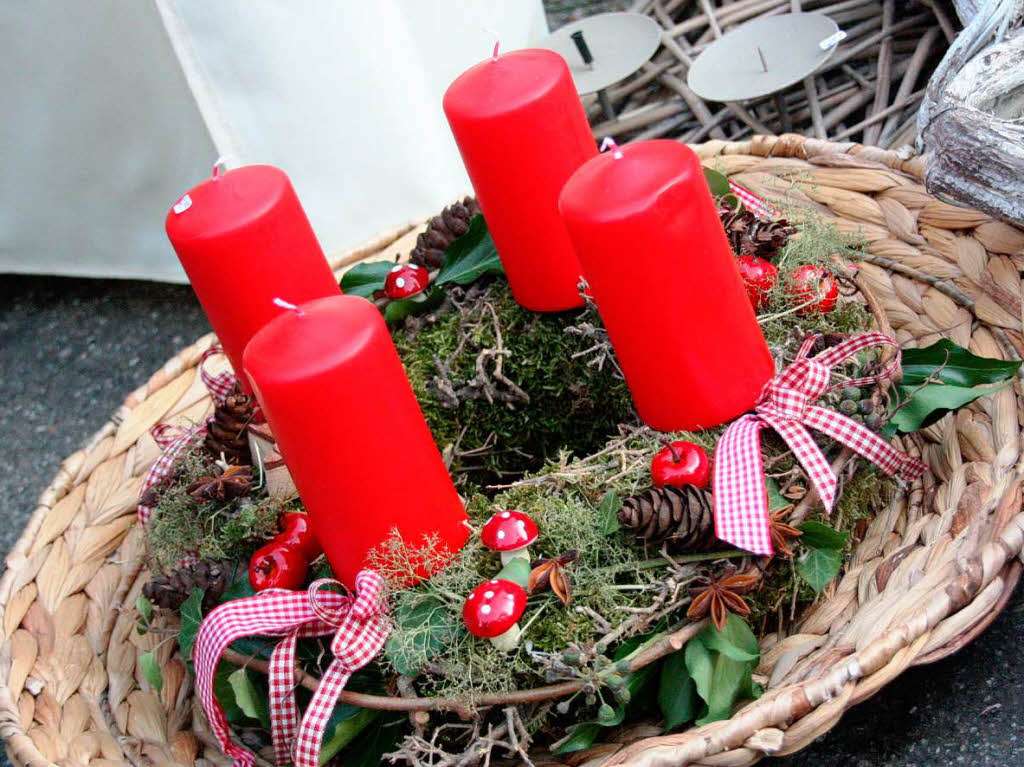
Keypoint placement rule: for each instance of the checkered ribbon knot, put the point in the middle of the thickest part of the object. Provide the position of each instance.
(360, 626)
(786, 404)
(175, 441)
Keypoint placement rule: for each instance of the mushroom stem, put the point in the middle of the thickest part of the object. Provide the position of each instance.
(508, 556)
(509, 640)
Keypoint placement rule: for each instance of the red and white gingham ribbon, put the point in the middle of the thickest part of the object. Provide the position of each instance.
(174, 441)
(785, 404)
(360, 627)
(760, 208)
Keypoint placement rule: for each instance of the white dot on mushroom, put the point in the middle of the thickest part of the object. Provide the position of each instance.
(396, 268)
(501, 534)
(400, 282)
(488, 595)
(486, 609)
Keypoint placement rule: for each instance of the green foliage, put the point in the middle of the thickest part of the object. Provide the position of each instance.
(249, 698)
(581, 736)
(819, 536)
(345, 724)
(721, 664)
(919, 407)
(818, 567)
(191, 617)
(366, 278)
(607, 513)
(151, 670)
(182, 527)
(677, 692)
(470, 256)
(951, 364)
(572, 406)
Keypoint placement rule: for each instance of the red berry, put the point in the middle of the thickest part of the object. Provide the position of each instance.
(278, 566)
(814, 284)
(405, 281)
(759, 277)
(296, 532)
(681, 463)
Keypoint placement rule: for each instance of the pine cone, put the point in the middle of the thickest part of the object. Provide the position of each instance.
(226, 434)
(750, 236)
(681, 517)
(170, 591)
(442, 230)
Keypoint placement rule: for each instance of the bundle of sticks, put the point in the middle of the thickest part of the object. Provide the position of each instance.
(869, 91)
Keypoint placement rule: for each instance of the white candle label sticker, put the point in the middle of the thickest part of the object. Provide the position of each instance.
(183, 204)
(832, 40)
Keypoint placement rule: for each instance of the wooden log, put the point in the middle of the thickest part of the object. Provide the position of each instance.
(884, 67)
(910, 78)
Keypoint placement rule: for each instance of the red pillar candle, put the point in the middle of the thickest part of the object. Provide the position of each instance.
(666, 285)
(522, 131)
(350, 430)
(243, 239)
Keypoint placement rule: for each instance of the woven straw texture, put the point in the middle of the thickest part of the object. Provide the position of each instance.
(933, 569)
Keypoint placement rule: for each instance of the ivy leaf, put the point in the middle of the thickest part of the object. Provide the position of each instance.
(819, 566)
(959, 367)
(250, 700)
(701, 665)
(151, 670)
(819, 536)
(470, 256)
(776, 500)
(432, 632)
(928, 404)
(677, 693)
(735, 640)
(718, 183)
(729, 679)
(224, 693)
(396, 311)
(345, 724)
(239, 587)
(580, 737)
(144, 608)
(191, 617)
(608, 513)
(365, 279)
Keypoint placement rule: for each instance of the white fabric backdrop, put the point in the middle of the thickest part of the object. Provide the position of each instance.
(116, 117)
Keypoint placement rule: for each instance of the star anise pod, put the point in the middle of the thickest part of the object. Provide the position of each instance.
(782, 533)
(718, 596)
(233, 482)
(551, 572)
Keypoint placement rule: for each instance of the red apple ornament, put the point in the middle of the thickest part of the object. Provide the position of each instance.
(493, 609)
(295, 532)
(680, 463)
(814, 286)
(278, 566)
(759, 277)
(509, 532)
(406, 281)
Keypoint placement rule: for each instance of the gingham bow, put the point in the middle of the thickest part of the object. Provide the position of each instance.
(359, 624)
(759, 207)
(786, 404)
(174, 441)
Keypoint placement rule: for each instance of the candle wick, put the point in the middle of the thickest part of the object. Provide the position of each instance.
(219, 167)
(497, 42)
(609, 143)
(289, 306)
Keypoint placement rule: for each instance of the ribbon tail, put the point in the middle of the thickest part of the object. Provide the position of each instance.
(314, 722)
(741, 496)
(807, 452)
(284, 715)
(865, 443)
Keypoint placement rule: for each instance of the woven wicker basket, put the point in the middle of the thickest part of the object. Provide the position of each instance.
(932, 571)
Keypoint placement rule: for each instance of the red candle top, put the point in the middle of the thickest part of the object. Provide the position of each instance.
(244, 239)
(496, 86)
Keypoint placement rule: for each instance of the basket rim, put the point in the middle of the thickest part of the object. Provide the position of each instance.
(799, 700)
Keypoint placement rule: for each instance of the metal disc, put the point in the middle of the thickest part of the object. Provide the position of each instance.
(619, 42)
(731, 69)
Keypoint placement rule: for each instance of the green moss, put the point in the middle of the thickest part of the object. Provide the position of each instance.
(573, 405)
(181, 527)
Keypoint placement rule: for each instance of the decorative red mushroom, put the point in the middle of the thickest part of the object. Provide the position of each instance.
(493, 610)
(406, 281)
(509, 532)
